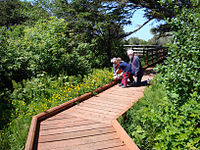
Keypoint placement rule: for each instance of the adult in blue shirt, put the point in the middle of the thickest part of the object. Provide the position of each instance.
(126, 68)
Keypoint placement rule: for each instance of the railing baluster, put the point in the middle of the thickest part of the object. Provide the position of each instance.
(147, 57)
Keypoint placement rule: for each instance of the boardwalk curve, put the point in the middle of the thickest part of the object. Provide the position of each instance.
(91, 124)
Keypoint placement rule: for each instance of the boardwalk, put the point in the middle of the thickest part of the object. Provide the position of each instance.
(91, 124)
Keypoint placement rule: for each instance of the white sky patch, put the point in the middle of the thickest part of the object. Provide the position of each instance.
(138, 19)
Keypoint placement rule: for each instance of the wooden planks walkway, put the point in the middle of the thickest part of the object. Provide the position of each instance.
(89, 125)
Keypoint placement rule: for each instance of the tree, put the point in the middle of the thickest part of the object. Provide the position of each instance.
(137, 41)
(10, 12)
(157, 10)
(93, 23)
(161, 41)
(15, 12)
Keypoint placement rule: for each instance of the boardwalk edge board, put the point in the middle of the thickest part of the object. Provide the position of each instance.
(52, 111)
(124, 136)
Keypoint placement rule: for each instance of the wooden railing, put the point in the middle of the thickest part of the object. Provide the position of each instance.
(152, 54)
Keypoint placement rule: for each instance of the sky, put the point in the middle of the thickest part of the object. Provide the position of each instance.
(138, 19)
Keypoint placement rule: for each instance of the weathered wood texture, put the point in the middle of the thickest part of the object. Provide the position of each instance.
(91, 124)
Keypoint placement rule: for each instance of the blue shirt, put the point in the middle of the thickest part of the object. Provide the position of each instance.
(135, 65)
(125, 67)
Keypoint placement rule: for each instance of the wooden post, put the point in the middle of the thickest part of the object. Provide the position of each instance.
(152, 56)
(146, 57)
(157, 57)
(143, 51)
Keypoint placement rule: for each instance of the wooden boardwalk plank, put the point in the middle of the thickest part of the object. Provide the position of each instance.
(73, 129)
(117, 101)
(59, 116)
(65, 124)
(77, 134)
(93, 144)
(66, 120)
(87, 125)
(100, 111)
(105, 104)
(79, 141)
(91, 115)
(112, 96)
(116, 148)
(107, 108)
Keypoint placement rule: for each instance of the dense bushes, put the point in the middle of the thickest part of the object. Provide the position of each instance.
(168, 116)
(45, 47)
(181, 74)
(45, 52)
(27, 52)
(41, 93)
(48, 47)
(156, 123)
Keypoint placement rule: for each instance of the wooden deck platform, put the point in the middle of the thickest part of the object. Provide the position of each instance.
(91, 124)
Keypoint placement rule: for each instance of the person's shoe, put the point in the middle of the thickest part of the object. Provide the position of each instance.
(119, 84)
(148, 81)
(123, 86)
(132, 83)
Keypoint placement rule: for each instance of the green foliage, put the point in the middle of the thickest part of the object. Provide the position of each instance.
(146, 118)
(96, 27)
(45, 48)
(155, 40)
(168, 115)
(156, 123)
(26, 51)
(181, 72)
(161, 41)
(10, 12)
(137, 41)
(44, 92)
(14, 12)
(79, 37)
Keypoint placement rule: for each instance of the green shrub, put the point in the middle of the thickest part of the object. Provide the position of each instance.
(39, 94)
(154, 122)
(181, 73)
(168, 116)
(28, 51)
(146, 118)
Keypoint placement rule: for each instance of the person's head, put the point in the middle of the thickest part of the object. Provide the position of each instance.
(114, 60)
(119, 60)
(130, 54)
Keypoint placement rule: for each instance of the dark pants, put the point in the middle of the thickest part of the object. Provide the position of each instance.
(139, 78)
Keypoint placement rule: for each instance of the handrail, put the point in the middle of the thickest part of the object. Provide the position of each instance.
(152, 53)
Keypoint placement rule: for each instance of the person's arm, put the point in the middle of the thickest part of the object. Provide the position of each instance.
(114, 68)
(119, 68)
(116, 72)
